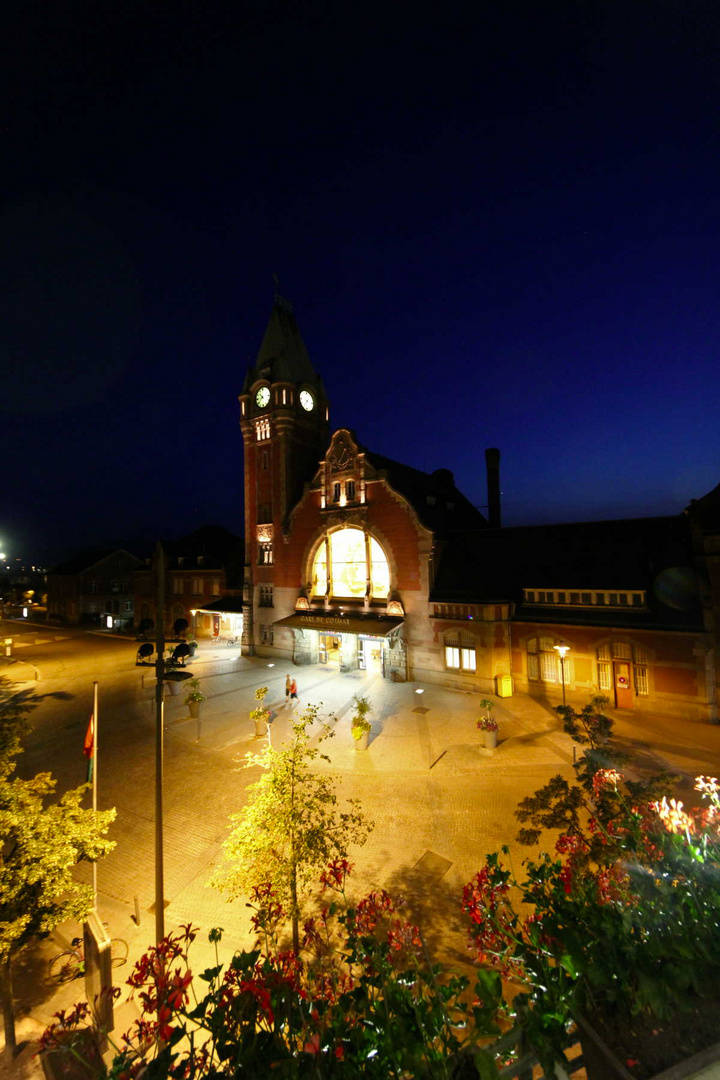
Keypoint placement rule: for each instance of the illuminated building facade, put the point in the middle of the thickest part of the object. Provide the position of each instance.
(356, 560)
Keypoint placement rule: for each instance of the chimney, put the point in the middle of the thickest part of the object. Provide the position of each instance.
(492, 465)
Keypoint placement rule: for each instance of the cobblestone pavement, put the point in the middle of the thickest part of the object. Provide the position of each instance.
(439, 800)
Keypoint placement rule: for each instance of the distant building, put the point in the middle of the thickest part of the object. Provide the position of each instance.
(202, 584)
(94, 588)
(356, 560)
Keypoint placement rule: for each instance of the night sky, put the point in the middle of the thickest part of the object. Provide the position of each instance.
(497, 223)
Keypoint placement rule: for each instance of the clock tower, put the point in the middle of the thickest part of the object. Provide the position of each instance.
(284, 415)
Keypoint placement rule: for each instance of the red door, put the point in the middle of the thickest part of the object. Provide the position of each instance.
(216, 625)
(623, 689)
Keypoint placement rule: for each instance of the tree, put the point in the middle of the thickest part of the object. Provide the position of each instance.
(41, 840)
(291, 827)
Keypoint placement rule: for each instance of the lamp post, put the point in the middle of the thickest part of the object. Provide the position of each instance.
(561, 650)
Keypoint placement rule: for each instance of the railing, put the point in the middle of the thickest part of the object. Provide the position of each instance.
(526, 1065)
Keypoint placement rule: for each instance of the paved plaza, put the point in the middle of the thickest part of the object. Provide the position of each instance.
(439, 800)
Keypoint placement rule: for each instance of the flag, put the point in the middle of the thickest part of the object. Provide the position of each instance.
(89, 746)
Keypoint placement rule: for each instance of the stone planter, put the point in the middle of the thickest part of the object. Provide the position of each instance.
(175, 679)
(260, 728)
(362, 742)
(194, 708)
(490, 738)
(602, 1064)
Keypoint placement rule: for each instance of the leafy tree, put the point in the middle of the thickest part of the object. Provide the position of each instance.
(291, 827)
(41, 840)
(565, 806)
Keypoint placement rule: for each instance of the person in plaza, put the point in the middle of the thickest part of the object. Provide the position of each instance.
(293, 690)
(288, 685)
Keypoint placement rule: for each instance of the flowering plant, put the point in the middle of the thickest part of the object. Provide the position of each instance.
(620, 921)
(487, 723)
(358, 1000)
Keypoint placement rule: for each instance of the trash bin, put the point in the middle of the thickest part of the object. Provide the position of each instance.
(503, 685)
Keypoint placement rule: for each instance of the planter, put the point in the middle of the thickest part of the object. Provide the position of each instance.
(602, 1063)
(260, 727)
(490, 739)
(195, 708)
(362, 742)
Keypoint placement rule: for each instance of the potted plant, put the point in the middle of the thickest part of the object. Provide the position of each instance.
(487, 724)
(194, 697)
(360, 726)
(191, 643)
(260, 715)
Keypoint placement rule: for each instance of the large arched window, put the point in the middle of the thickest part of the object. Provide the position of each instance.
(347, 563)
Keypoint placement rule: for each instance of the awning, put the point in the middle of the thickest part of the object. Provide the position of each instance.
(328, 623)
(225, 605)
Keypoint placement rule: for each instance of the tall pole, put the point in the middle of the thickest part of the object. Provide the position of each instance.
(562, 674)
(159, 563)
(96, 733)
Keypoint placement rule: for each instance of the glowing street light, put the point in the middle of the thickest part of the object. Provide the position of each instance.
(561, 650)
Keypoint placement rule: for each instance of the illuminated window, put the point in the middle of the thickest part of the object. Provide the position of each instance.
(460, 652)
(355, 560)
(265, 553)
(543, 662)
(262, 429)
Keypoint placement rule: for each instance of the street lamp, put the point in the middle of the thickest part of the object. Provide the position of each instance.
(561, 650)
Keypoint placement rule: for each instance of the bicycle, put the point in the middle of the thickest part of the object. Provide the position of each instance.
(217, 640)
(233, 640)
(70, 963)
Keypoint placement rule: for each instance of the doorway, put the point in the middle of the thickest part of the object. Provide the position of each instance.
(370, 654)
(623, 687)
(329, 649)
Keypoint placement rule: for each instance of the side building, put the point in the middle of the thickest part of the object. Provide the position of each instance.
(94, 588)
(202, 584)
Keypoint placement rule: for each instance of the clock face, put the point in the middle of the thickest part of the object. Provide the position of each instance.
(263, 396)
(306, 400)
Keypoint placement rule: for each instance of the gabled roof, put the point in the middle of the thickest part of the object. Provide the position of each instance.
(439, 505)
(86, 560)
(706, 509)
(495, 565)
(283, 356)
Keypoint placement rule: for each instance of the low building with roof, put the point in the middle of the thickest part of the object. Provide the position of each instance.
(94, 588)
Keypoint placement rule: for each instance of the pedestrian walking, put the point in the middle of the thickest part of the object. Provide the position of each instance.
(288, 685)
(293, 690)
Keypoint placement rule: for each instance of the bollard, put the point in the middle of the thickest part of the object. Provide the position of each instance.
(137, 911)
(198, 730)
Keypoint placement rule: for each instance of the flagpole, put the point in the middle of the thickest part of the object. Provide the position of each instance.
(94, 784)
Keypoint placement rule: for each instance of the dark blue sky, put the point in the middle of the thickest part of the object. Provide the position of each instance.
(498, 225)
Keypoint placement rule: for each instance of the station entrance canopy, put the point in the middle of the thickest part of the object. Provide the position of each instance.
(327, 623)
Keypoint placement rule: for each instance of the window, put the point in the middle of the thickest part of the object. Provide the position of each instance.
(266, 596)
(350, 489)
(216, 586)
(178, 586)
(197, 586)
(128, 605)
(543, 662)
(92, 586)
(265, 460)
(264, 515)
(460, 652)
(356, 561)
(262, 429)
(267, 634)
(336, 493)
(265, 554)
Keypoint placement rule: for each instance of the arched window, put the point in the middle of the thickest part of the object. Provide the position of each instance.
(347, 562)
(460, 652)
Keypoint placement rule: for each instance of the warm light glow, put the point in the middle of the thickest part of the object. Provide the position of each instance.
(349, 562)
(271, 665)
(419, 691)
(3, 555)
(562, 650)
